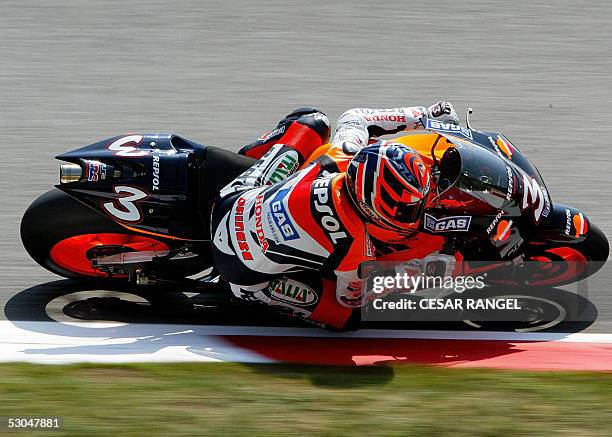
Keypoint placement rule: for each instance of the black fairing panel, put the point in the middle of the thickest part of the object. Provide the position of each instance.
(564, 224)
(178, 180)
(162, 169)
(505, 149)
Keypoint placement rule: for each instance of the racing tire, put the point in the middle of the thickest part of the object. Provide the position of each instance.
(573, 262)
(63, 235)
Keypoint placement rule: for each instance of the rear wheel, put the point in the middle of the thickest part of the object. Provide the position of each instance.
(63, 235)
(74, 254)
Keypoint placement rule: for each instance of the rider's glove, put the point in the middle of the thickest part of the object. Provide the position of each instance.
(444, 112)
(433, 265)
(352, 295)
(438, 264)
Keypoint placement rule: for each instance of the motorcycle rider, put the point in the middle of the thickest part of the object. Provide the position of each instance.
(274, 220)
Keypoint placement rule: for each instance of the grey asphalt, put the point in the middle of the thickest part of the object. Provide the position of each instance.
(74, 72)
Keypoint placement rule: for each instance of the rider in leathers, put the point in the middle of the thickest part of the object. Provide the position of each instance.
(276, 219)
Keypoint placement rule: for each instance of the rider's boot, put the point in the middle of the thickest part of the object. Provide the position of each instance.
(304, 129)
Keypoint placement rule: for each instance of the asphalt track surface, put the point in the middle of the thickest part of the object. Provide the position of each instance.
(221, 73)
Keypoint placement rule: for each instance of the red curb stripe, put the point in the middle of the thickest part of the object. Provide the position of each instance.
(518, 355)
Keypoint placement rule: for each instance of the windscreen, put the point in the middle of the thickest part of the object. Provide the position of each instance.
(475, 172)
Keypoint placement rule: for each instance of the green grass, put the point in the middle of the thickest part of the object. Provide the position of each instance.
(215, 399)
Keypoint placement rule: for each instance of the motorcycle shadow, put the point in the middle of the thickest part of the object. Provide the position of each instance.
(170, 316)
(77, 303)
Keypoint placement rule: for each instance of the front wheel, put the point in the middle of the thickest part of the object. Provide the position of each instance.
(550, 263)
(554, 265)
(541, 309)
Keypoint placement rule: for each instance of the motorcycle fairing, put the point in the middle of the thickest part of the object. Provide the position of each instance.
(150, 183)
(495, 142)
(528, 197)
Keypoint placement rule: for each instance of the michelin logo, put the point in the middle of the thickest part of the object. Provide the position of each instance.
(438, 126)
(459, 223)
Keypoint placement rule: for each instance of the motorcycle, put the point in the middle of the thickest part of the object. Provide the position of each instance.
(136, 209)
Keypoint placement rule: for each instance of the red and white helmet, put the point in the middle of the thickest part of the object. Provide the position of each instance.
(389, 184)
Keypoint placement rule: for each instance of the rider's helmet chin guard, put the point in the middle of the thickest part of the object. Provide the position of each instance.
(389, 184)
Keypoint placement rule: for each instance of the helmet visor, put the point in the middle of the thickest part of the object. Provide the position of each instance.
(409, 213)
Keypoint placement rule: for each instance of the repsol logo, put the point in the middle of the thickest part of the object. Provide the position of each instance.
(510, 184)
(322, 201)
(495, 221)
(568, 222)
(155, 172)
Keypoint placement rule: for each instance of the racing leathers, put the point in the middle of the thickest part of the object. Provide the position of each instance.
(356, 127)
(281, 217)
(262, 233)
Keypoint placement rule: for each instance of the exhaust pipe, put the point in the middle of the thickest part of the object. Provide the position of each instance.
(70, 173)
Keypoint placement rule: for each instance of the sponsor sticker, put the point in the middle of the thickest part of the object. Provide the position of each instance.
(274, 132)
(448, 128)
(155, 173)
(578, 222)
(368, 211)
(459, 223)
(95, 171)
(281, 168)
(281, 217)
(510, 190)
(505, 147)
(452, 203)
(323, 206)
(368, 247)
(292, 292)
(506, 238)
(495, 221)
(503, 230)
(385, 117)
(535, 197)
(243, 245)
(261, 236)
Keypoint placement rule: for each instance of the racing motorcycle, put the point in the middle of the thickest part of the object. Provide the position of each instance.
(136, 208)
